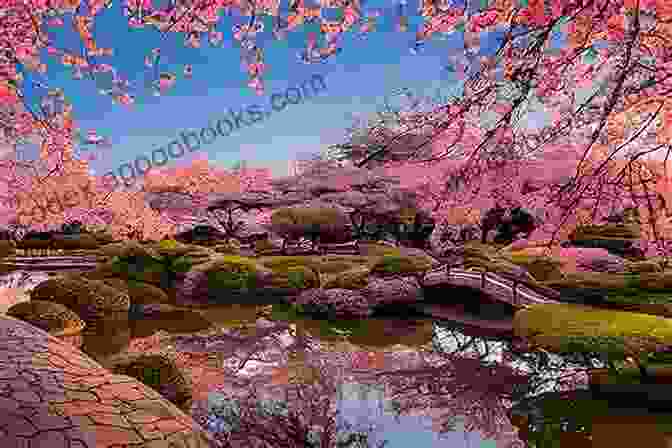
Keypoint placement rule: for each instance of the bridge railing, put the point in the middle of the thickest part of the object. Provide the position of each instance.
(516, 283)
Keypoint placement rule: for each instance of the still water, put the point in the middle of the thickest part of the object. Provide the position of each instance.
(452, 378)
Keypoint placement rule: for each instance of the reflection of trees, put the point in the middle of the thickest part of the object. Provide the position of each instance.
(455, 378)
(300, 413)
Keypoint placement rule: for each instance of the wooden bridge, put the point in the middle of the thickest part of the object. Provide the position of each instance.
(510, 290)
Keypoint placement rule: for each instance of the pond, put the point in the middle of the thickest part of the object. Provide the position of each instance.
(412, 380)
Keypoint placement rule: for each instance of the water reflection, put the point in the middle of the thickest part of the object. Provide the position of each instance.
(361, 374)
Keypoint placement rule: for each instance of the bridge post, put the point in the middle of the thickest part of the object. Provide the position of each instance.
(515, 291)
(483, 279)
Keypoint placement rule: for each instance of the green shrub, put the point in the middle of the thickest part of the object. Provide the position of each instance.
(163, 268)
(401, 264)
(242, 280)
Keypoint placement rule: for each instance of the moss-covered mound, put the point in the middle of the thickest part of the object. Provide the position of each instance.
(355, 278)
(292, 279)
(646, 292)
(83, 241)
(7, 248)
(224, 280)
(643, 266)
(51, 317)
(88, 298)
(158, 371)
(140, 293)
(540, 267)
(326, 264)
(124, 249)
(569, 327)
(619, 231)
(401, 264)
(229, 247)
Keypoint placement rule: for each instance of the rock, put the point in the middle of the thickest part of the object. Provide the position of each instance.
(140, 293)
(83, 241)
(34, 243)
(51, 317)
(264, 246)
(542, 268)
(383, 291)
(491, 260)
(355, 278)
(103, 237)
(202, 234)
(170, 248)
(76, 399)
(124, 249)
(230, 246)
(660, 281)
(7, 248)
(88, 298)
(333, 302)
(420, 253)
(643, 266)
(223, 280)
(399, 264)
(289, 280)
(618, 239)
(158, 371)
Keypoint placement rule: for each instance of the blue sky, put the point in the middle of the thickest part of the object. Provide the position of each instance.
(357, 80)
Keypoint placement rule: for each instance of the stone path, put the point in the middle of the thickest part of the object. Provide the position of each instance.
(55, 396)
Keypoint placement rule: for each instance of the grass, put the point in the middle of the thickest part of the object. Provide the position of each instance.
(553, 324)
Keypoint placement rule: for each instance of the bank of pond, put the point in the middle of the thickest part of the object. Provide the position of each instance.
(561, 372)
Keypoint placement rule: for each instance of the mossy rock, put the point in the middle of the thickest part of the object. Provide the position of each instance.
(400, 264)
(159, 270)
(355, 278)
(172, 248)
(502, 267)
(601, 280)
(142, 269)
(88, 298)
(643, 266)
(158, 371)
(295, 278)
(651, 281)
(34, 243)
(103, 237)
(606, 231)
(540, 267)
(52, 317)
(124, 249)
(7, 248)
(83, 241)
(232, 272)
(230, 246)
(264, 246)
(566, 327)
(102, 271)
(371, 249)
(326, 264)
(140, 293)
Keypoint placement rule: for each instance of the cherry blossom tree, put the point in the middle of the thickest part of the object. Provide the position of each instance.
(185, 194)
